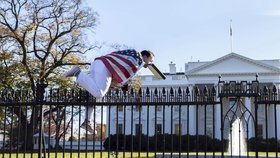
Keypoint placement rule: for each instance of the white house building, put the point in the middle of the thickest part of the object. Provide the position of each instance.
(232, 67)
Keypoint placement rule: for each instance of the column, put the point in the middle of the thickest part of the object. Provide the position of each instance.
(217, 116)
(251, 128)
(192, 112)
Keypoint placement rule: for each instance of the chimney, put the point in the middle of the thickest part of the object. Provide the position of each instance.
(172, 68)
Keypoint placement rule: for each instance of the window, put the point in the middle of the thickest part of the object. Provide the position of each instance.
(159, 129)
(209, 131)
(260, 131)
(120, 129)
(232, 103)
(138, 129)
(178, 128)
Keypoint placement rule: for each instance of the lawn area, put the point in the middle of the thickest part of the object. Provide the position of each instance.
(78, 155)
(121, 154)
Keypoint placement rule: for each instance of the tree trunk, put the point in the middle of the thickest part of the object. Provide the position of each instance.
(32, 128)
(29, 137)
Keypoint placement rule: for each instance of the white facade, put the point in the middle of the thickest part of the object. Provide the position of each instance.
(232, 67)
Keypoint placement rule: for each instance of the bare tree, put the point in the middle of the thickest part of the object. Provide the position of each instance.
(44, 36)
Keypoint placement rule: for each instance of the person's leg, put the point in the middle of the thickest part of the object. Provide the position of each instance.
(97, 83)
(89, 113)
(101, 76)
(99, 80)
(88, 123)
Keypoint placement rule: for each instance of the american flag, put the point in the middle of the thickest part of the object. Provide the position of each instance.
(122, 64)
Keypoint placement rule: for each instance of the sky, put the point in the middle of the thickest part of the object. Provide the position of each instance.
(182, 31)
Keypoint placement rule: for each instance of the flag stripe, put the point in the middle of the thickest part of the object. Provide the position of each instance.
(110, 68)
(117, 70)
(134, 69)
(124, 64)
(122, 68)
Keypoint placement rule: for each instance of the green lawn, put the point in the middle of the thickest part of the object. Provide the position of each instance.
(121, 155)
(78, 155)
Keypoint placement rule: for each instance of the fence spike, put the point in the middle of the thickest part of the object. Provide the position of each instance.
(171, 92)
(265, 90)
(140, 92)
(163, 92)
(147, 92)
(117, 92)
(197, 91)
(274, 89)
(220, 76)
(214, 90)
(179, 92)
(125, 93)
(132, 91)
(205, 90)
(156, 93)
(188, 91)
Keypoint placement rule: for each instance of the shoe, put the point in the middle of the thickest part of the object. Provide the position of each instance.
(86, 125)
(72, 72)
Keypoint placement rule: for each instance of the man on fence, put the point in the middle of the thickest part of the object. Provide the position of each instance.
(114, 69)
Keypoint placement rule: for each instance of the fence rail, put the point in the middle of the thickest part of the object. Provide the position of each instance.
(225, 119)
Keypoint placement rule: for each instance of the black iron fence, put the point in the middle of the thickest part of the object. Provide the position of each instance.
(216, 120)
